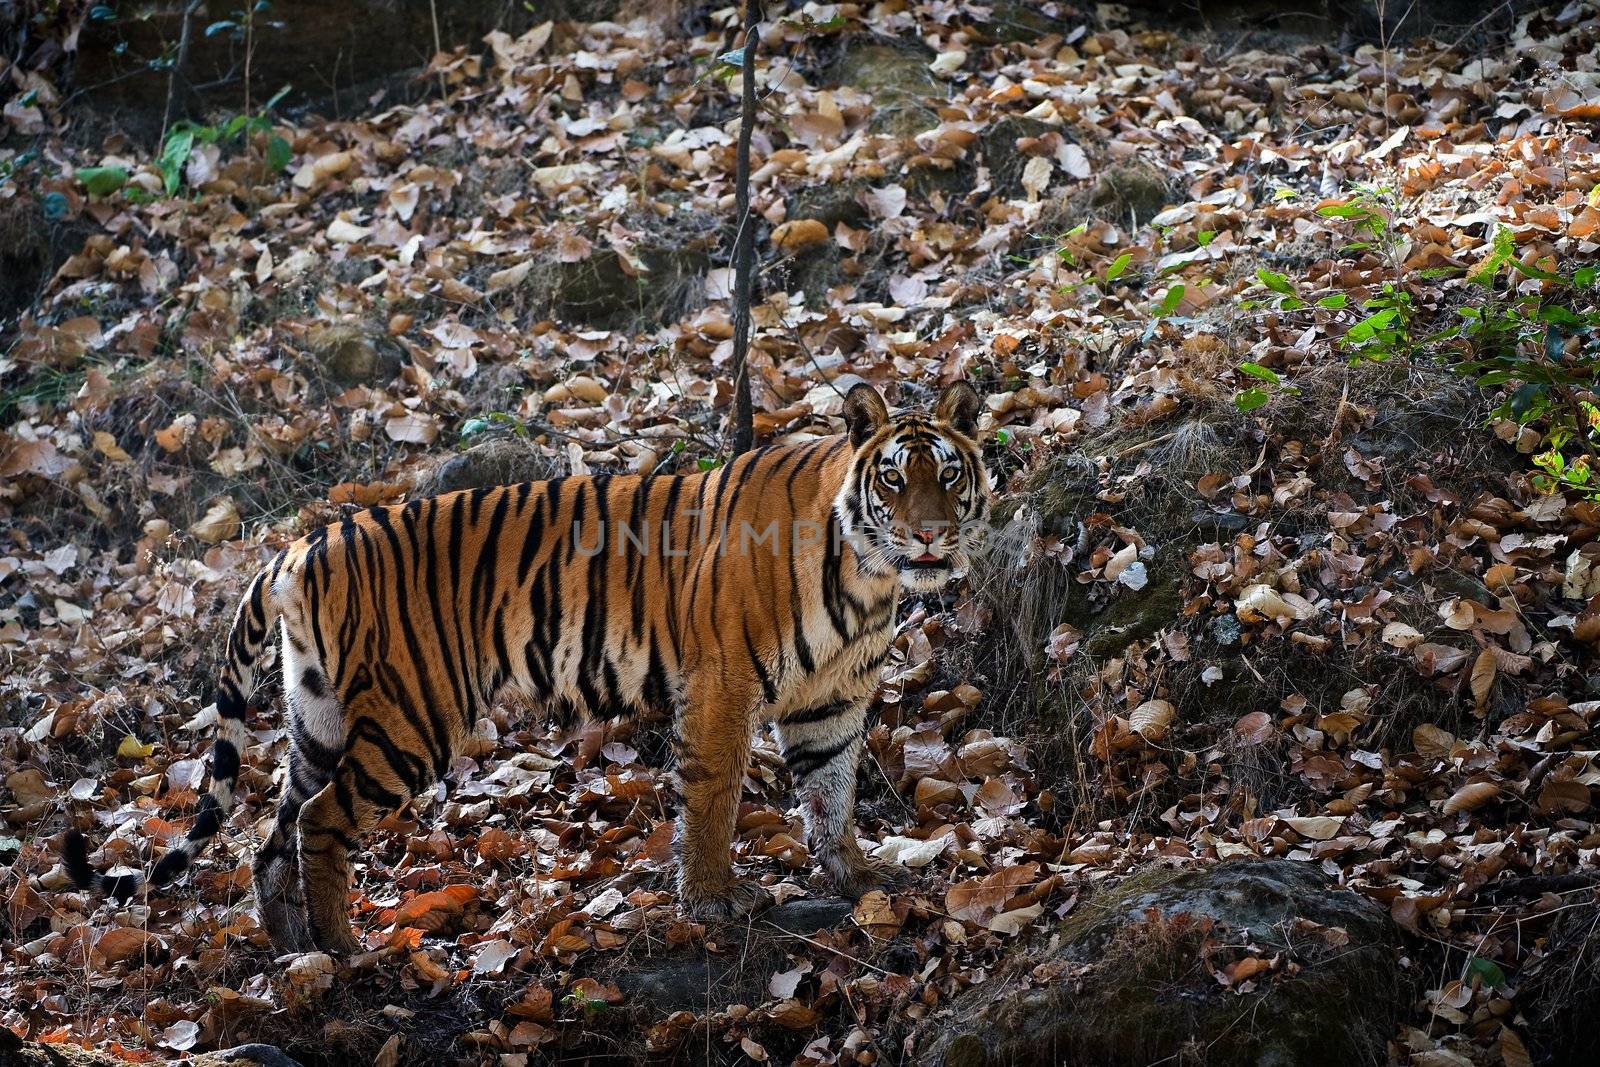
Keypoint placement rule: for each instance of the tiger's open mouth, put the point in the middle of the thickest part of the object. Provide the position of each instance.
(925, 562)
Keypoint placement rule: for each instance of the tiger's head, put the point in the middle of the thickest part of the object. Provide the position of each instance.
(917, 495)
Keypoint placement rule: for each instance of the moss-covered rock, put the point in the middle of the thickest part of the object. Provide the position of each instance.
(499, 461)
(1131, 977)
(896, 75)
(14, 1052)
(349, 354)
(686, 978)
(1134, 190)
(1002, 146)
(606, 293)
(1027, 21)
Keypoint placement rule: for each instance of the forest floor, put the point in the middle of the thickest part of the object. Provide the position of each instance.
(1275, 339)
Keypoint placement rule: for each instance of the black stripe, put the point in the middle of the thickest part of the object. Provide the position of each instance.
(207, 820)
(316, 753)
(767, 689)
(172, 864)
(224, 760)
(805, 761)
(816, 714)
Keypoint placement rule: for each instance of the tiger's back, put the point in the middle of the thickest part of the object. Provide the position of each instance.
(588, 594)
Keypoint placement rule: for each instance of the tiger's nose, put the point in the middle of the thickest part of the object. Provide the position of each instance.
(926, 534)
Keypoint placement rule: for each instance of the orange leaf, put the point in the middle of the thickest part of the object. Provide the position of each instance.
(124, 942)
(430, 911)
(1471, 797)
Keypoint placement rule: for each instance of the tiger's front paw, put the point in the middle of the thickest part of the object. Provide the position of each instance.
(727, 902)
(338, 942)
(862, 874)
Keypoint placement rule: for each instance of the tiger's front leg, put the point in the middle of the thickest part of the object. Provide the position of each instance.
(714, 730)
(822, 747)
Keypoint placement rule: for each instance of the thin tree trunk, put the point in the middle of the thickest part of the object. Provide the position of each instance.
(178, 80)
(744, 249)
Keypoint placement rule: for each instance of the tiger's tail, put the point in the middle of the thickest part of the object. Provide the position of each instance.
(252, 628)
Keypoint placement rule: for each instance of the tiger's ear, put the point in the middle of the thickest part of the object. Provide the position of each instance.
(958, 406)
(864, 412)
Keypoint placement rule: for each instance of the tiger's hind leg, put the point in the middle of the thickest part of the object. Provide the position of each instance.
(316, 740)
(376, 775)
(276, 870)
(822, 747)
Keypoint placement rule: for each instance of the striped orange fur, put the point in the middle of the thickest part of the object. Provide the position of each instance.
(762, 590)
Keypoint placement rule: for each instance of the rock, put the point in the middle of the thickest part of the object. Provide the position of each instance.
(499, 461)
(253, 1055)
(14, 1052)
(1130, 978)
(603, 292)
(33, 244)
(897, 77)
(1025, 20)
(350, 355)
(755, 949)
(1561, 989)
(1001, 146)
(1135, 189)
(1136, 614)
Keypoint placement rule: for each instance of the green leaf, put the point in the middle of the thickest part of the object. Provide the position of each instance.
(1250, 399)
(1334, 301)
(54, 206)
(1503, 250)
(1171, 300)
(1557, 315)
(1256, 370)
(174, 154)
(1529, 401)
(1487, 970)
(1205, 237)
(220, 26)
(102, 181)
(1368, 328)
(1274, 281)
(278, 153)
(1584, 277)
(1534, 272)
(1118, 265)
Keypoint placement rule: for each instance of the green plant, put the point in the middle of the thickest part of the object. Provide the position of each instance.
(1288, 297)
(591, 1008)
(1543, 347)
(480, 423)
(183, 136)
(1254, 396)
(1385, 332)
(1368, 216)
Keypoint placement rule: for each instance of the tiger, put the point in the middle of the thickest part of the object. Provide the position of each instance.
(762, 590)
